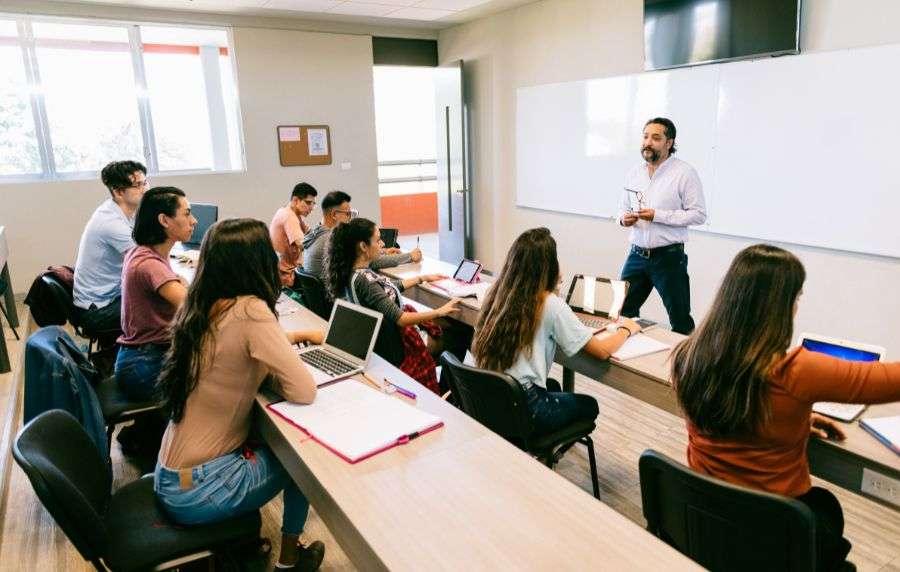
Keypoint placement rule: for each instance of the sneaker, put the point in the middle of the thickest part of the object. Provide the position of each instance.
(310, 558)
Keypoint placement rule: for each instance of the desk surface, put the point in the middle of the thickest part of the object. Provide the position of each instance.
(647, 378)
(457, 498)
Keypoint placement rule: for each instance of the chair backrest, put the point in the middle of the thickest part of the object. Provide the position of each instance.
(722, 526)
(314, 295)
(59, 297)
(495, 400)
(69, 476)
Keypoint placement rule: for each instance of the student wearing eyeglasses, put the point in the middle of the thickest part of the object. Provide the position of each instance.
(336, 209)
(97, 293)
(287, 229)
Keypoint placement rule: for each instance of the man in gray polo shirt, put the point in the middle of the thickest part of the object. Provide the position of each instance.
(335, 210)
(101, 252)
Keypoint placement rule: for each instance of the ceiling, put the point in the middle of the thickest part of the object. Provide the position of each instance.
(419, 13)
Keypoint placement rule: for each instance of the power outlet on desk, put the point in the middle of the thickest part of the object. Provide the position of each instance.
(881, 486)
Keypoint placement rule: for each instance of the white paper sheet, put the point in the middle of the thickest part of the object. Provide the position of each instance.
(639, 345)
(590, 294)
(318, 142)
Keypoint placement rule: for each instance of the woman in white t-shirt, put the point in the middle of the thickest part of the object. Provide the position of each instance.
(522, 322)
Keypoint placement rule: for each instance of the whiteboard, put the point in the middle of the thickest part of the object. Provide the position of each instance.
(794, 149)
(576, 141)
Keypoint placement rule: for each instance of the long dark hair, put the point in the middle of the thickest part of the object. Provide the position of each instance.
(341, 253)
(158, 200)
(721, 371)
(512, 309)
(236, 259)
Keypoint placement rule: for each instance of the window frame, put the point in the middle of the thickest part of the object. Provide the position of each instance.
(216, 107)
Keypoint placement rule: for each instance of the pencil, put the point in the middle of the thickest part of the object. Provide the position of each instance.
(371, 381)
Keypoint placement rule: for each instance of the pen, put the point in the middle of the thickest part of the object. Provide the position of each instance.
(400, 390)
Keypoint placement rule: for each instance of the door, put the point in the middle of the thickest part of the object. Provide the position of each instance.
(454, 216)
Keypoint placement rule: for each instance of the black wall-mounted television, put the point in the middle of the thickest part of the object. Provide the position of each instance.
(690, 32)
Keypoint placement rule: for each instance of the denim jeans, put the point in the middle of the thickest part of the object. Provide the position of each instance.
(228, 486)
(137, 369)
(553, 410)
(105, 322)
(667, 272)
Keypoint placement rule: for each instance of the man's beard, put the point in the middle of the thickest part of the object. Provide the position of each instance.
(654, 154)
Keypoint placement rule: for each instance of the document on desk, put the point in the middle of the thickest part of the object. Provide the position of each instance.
(885, 429)
(285, 306)
(355, 421)
(639, 345)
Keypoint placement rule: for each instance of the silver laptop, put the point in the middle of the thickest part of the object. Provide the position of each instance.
(843, 349)
(595, 300)
(352, 331)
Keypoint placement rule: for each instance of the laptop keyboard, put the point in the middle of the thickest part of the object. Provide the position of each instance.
(320, 359)
(596, 323)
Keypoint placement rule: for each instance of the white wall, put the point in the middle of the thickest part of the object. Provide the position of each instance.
(284, 77)
(847, 295)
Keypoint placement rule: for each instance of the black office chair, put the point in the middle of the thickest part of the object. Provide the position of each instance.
(118, 408)
(498, 402)
(722, 526)
(3, 309)
(127, 530)
(314, 295)
(62, 299)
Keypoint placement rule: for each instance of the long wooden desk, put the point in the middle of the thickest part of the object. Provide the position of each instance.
(647, 379)
(460, 498)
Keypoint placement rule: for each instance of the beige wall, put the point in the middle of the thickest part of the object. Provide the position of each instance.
(846, 295)
(284, 77)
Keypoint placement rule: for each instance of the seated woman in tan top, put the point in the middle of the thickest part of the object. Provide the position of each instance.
(748, 400)
(226, 342)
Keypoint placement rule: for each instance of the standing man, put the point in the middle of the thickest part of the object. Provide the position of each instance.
(662, 198)
(97, 293)
(287, 229)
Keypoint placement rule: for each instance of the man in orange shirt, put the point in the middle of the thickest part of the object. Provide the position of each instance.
(287, 229)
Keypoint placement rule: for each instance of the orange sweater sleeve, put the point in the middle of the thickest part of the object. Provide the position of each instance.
(811, 377)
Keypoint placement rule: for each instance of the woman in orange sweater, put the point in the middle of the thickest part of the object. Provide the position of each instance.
(748, 400)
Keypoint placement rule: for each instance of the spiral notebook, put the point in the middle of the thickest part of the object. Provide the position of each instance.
(355, 421)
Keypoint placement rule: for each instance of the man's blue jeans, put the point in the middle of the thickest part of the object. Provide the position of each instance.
(666, 270)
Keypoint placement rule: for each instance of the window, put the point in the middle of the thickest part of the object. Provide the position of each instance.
(19, 153)
(75, 95)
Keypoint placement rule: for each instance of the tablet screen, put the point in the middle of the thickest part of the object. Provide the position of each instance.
(838, 351)
(467, 271)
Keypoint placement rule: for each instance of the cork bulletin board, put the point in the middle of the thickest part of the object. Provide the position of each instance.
(301, 145)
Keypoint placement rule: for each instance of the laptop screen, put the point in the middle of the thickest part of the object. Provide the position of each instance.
(840, 351)
(607, 299)
(206, 216)
(351, 331)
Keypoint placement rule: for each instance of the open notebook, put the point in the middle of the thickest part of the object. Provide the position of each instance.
(639, 345)
(355, 421)
(885, 429)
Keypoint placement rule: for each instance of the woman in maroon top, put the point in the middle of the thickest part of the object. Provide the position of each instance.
(748, 400)
(151, 291)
